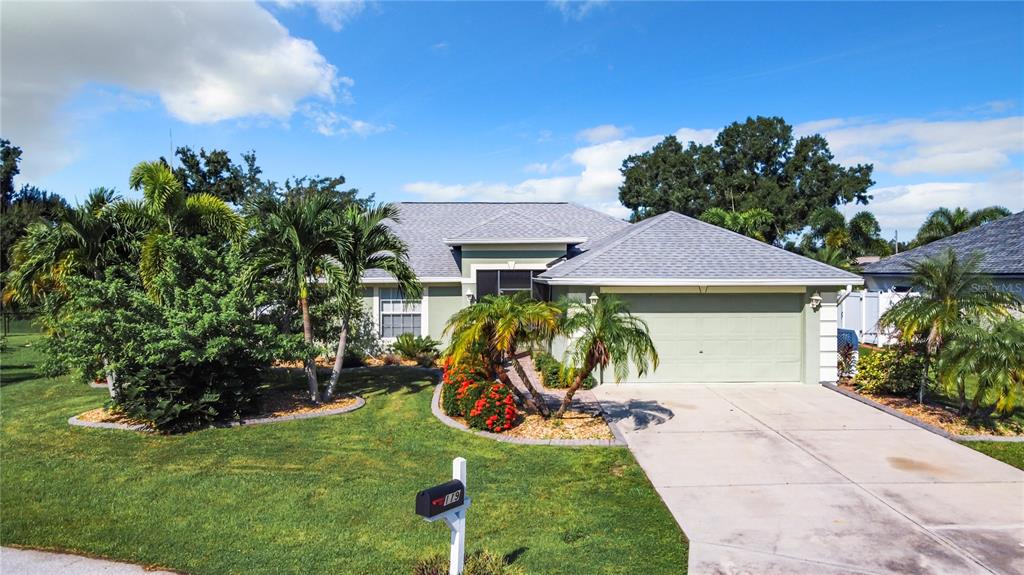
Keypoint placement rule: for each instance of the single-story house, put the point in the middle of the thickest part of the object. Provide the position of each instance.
(721, 307)
(1000, 244)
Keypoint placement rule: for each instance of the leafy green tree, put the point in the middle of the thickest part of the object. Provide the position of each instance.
(493, 329)
(296, 243)
(167, 211)
(994, 355)
(952, 293)
(22, 207)
(834, 257)
(828, 228)
(944, 222)
(214, 173)
(755, 222)
(754, 164)
(371, 245)
(605, 333)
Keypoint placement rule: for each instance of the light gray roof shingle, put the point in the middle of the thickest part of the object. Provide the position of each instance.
(511, 225)
(1000, 243)
(425, 225)
(676, 248)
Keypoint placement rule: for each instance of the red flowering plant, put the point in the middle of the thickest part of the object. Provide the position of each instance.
(457, 381)
(492, 409)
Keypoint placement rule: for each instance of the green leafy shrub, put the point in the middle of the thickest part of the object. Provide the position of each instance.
(477, 563)
(491, 407)
(550, 370)
(892, 370)
(411, 346)
(456, 380)
(194, 359)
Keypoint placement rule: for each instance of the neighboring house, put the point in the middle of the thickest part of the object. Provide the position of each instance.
(1000, 243)
(721, 307)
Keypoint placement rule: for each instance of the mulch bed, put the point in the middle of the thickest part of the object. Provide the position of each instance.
(574, 425)
(938, 415)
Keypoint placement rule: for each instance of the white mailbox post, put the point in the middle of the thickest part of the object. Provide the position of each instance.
(448, 502)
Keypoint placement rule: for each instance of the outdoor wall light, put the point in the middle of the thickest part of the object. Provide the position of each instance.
(470, 297)
(816, 301)
(592, 299)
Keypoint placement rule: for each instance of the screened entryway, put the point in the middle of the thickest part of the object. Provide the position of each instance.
(509, 282)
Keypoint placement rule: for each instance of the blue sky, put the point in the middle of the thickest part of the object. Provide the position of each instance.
(518, 100)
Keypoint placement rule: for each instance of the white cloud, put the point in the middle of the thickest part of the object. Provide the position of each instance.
(206, 62)
(576, 9)
(331, 123)
(913, 146)
(601, 134)
(335, 14)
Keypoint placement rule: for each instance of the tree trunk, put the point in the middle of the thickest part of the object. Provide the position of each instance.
(111, 379)
(961, 391)
(576, 384)
(310, 363)
(536, 400)
(924, 378)
(339, 360)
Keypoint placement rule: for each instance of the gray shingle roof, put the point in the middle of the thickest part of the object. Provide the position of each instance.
(1001, 244)
(511, 225)
(425, 225)
(679, 249)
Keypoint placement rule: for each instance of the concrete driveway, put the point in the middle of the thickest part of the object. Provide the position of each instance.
(794, 479)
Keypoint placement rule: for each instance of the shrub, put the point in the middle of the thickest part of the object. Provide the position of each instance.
(412, 346)
(550, 370)
(893, 370)
(477, 563)
(491, 407)
(847, 358)
(391, 359)
(192, 360)
(456, 380)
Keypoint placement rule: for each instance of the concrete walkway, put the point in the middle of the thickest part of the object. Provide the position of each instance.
(798, 479)
(30, 562)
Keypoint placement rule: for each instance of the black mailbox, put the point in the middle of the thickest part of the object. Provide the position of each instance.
(440, 498)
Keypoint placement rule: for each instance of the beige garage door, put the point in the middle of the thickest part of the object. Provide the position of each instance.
(706, 338)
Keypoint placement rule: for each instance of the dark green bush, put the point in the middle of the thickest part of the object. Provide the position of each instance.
(494, 408)
(194, 359)
(411, 346)
(477, 563)
(892, 370)
(550, 370)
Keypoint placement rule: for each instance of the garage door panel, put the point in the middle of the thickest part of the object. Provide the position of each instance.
(721, 338)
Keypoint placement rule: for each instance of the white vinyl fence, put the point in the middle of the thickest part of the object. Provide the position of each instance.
(860, 310)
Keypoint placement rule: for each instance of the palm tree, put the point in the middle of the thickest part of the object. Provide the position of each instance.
(296, 243)
(84, 241)
(167, 211)
(604, 333)
(753, 223)
(951, 292)
(833, 257)
(944, 222)
(828, 228)
(495, 326)
(371, 245)
(994, 354)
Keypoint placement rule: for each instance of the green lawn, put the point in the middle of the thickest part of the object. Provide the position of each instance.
(1012, 453)
(329, 495)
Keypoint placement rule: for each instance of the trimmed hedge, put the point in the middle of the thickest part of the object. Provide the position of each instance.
(550, 370)
(891, 370)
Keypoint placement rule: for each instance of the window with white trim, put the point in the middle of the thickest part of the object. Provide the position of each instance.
(398, 314)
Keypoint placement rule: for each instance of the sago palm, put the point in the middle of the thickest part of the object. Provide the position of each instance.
(945, 222)
(951, 291)
(994, 355)
(370, 245)
(166, 211)
(296, 242)
(495, 326)
(601, 334)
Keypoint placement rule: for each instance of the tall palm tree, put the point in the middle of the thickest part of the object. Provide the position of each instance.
(371, 245)
(496, 326)
(83, 240)
(951, 292)
(296, 242)
(753, 223)
(828, 228)
(945, 222)
(994, 354)
(832, 256)
(166, 211)
(605, 333)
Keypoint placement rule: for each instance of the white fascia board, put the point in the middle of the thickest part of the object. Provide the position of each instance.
(423, 280)
(698, 282)
(491, 241)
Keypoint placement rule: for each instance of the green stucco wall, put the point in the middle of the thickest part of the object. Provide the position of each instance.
(442, 302)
